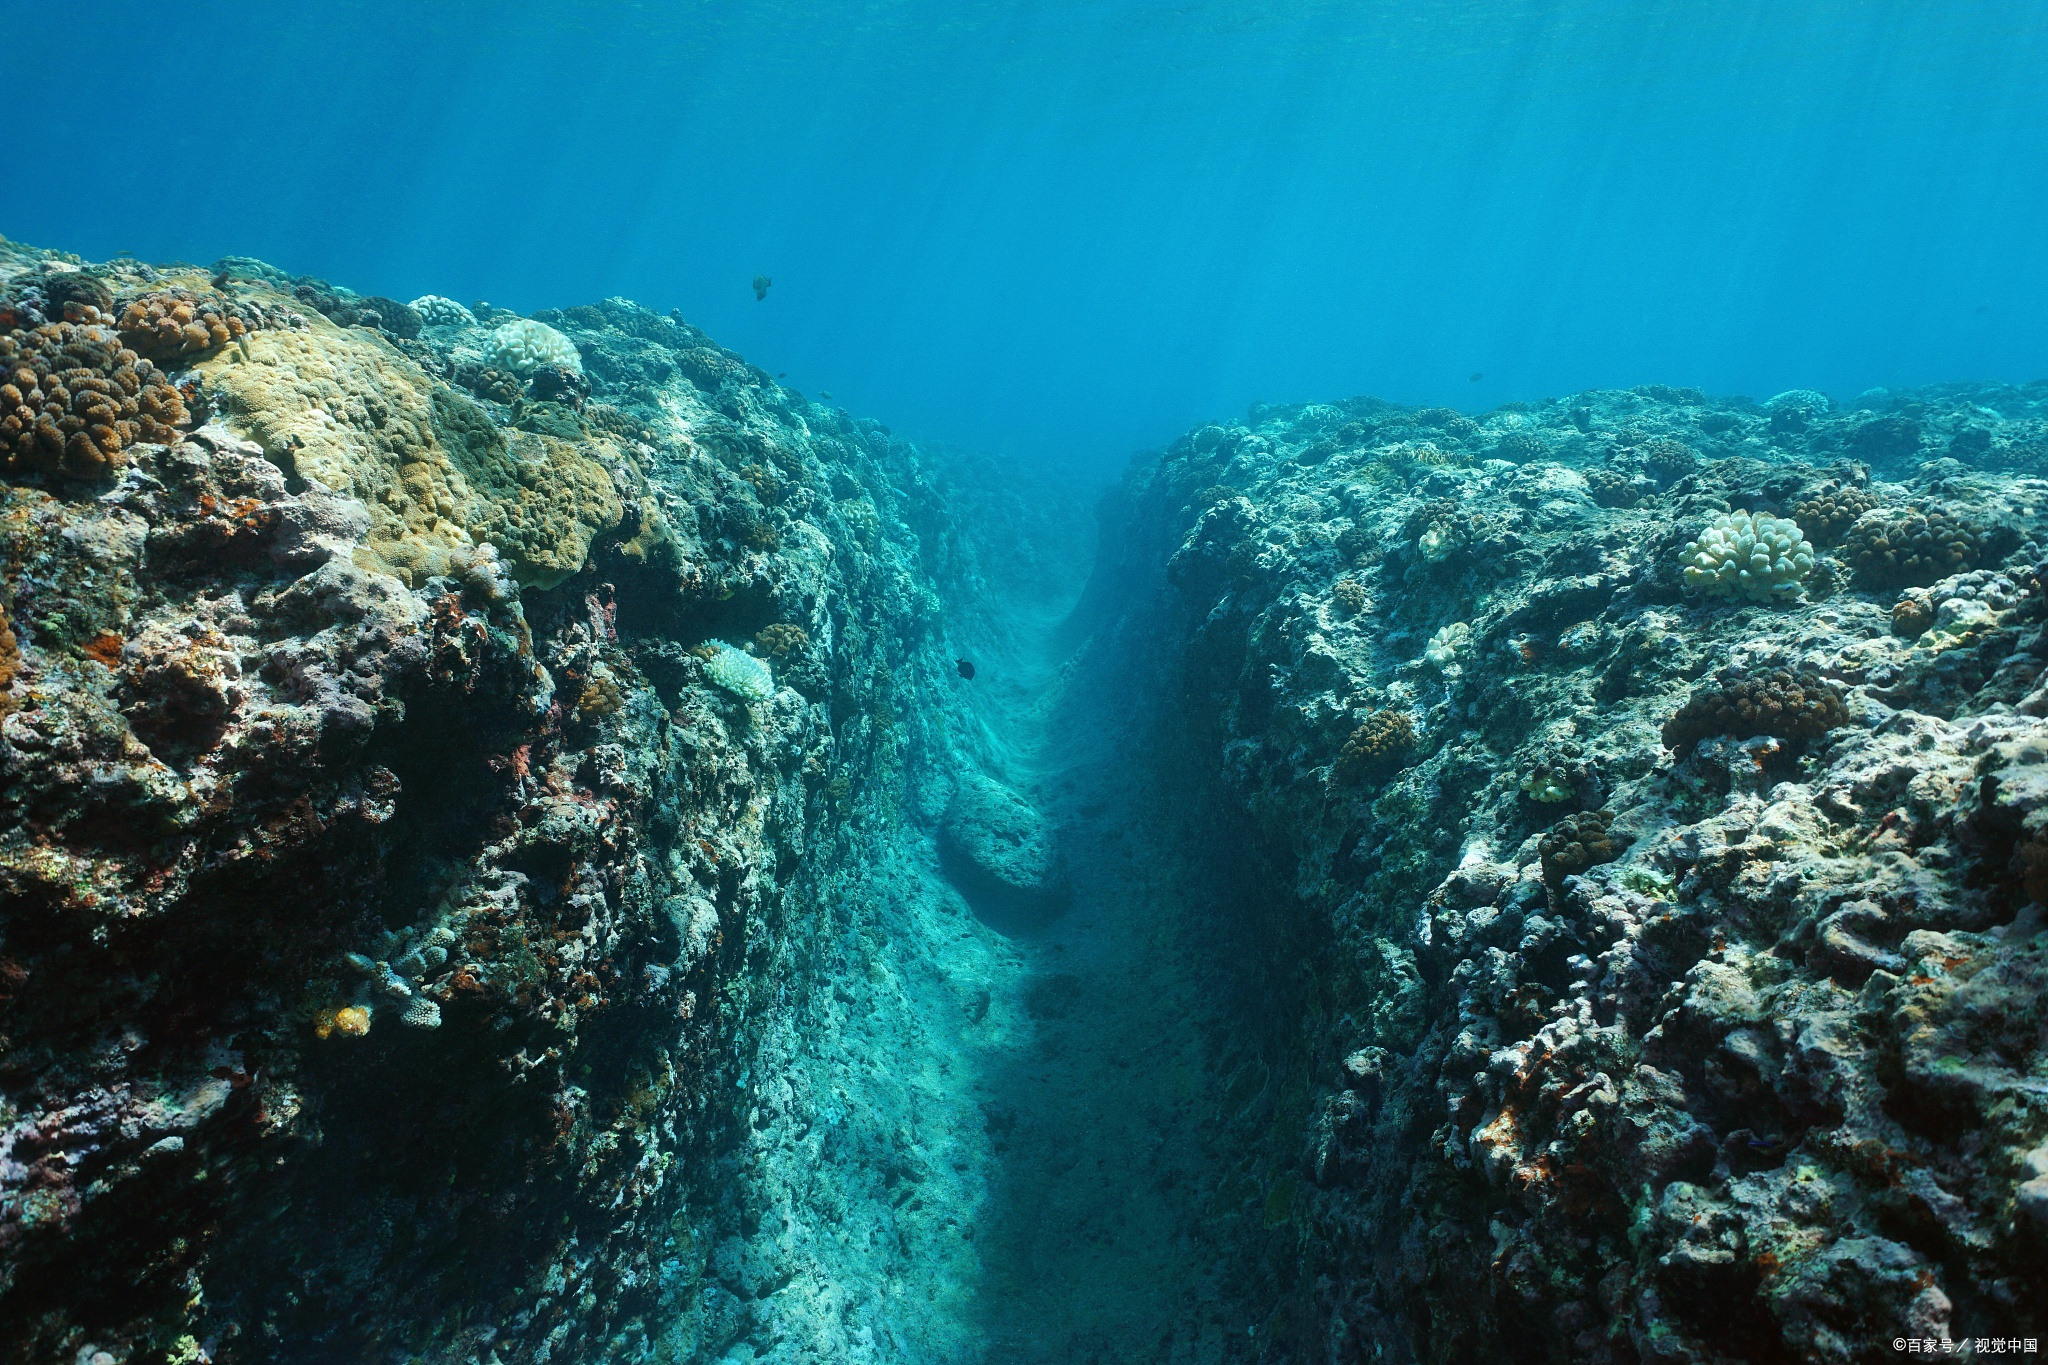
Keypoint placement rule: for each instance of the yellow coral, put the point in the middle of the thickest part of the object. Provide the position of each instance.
(344, 408)
(350, 1021)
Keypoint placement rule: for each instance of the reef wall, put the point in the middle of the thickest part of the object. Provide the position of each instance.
(1668, 775)
(427, 739)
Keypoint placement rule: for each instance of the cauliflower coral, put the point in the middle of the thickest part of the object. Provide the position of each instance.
(522, 346)
(1754, 556)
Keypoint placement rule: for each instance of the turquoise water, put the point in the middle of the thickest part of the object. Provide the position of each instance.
(1051, 233)
(1062, 231)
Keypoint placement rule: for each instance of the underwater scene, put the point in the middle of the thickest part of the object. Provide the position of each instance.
(1024, 682)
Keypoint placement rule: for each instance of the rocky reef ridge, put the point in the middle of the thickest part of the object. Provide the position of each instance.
(1667, 773)
(422, 757)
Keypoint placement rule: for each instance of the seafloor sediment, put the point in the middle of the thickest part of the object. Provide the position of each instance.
(498, 862)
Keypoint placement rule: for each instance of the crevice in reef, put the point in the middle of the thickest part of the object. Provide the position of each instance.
(523, 842)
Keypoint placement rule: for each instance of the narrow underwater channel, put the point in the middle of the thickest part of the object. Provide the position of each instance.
(526, 841)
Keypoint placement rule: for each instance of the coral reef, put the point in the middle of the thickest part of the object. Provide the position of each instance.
(373, 852)
(422, 936)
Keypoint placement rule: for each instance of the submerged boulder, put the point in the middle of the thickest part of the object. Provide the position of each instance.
(1003, 856)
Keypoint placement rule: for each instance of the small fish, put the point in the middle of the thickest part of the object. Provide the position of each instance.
(1477, 375)
(761, 283)
(966, 667)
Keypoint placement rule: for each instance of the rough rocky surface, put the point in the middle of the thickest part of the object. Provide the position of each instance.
(1003, 854)
(1684, 999)
(483, 840)
(385, 950)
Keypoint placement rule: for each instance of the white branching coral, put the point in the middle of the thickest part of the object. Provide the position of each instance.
(740, 673)
(523, 346)
(1754, 556)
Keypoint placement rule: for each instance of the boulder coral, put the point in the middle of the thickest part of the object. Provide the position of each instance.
(1781, 703)
(1914, 547)
(522, 346)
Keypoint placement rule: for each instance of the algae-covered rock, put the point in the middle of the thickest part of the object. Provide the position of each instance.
(540, 499)
(1003, 855)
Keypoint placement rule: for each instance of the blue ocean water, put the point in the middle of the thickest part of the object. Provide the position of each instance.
(1062, 229)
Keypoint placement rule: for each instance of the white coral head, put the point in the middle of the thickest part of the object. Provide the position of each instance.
(740, 673)
(523, 346)
(1753, 556)
(436, 311)
(1447, 644)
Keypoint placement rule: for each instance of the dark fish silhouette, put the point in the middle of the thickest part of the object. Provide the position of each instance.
(966, 667)
(1477, 376)
(761, 283)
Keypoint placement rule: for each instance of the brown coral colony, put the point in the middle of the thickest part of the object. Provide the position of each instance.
(166, 326)
(1912, 549)
(1780, 703)
(74, 399)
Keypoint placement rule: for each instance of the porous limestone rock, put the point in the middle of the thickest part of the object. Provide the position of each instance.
(1003, 855)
